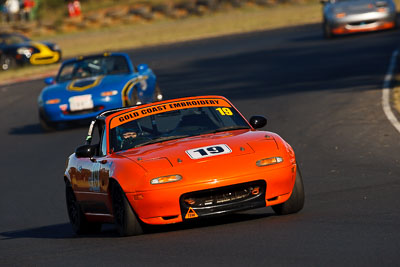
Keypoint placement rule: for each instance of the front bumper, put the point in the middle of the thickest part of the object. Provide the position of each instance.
(61, 113)
(172, 205)
(372, 21)
(221, 200)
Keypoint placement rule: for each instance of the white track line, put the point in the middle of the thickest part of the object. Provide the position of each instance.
(386, 92)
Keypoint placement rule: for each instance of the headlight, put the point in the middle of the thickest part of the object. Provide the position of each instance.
(381, 4)
(109, 93)
(340, 15)
(53, 101)
(269, 161)
(25, 51)
(166, 179)
(56, 47)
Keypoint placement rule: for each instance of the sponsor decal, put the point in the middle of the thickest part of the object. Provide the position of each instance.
(45, 55)
(161, 108)
(142, 79)
(94, 179)
(84, 84)
(63, 107)
(191, 214)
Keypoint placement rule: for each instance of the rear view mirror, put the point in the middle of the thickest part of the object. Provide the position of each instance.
(142, 68)
(258, 121)
(49, 81)
(85, 151)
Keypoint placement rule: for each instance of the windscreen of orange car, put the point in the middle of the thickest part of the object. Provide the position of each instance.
(173, 120)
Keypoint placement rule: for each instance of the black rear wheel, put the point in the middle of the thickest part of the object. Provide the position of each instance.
(158, 96)
(76, 217)
(7, 62)
(124, 217)
(296, 201)
(135, 100)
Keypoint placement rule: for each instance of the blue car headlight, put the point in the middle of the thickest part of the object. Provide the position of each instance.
(27, 51)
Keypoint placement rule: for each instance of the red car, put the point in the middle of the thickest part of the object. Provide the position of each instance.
(178, 160)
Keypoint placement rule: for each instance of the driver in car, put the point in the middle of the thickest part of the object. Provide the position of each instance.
(128, 139)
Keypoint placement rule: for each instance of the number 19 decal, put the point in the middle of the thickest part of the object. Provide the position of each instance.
(225, 111)
(208, 151)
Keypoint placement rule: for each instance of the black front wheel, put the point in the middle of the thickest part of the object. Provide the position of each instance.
(135, 100)
(124, 217)
(296, 201)
(7, 62)
(158, 96)
(327, 30)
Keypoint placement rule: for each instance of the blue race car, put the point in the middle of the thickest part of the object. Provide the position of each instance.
(86, 86)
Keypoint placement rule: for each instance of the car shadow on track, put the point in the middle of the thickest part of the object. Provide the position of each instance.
(57, 231)
(64, 231)
(26, 129)
(210, 222)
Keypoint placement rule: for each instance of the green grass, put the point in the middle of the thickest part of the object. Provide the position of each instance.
(168, 31)
(163, 31)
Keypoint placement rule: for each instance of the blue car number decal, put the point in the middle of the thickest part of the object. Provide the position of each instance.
(80, 102)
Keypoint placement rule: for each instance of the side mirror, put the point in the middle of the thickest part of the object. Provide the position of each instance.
(142, 68)
(85, 151)
(49, 81)
(258, 121)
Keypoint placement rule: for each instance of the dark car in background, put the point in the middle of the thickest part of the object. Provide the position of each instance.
(18, 50)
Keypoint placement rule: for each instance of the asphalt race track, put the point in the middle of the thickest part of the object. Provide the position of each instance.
(322, 96)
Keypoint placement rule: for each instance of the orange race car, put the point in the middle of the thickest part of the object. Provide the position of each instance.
(178, 160)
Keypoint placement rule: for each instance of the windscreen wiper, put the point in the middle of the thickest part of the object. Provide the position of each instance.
(161, 139)
(228, 128)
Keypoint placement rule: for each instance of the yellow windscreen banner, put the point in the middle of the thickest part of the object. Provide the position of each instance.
(161, 108)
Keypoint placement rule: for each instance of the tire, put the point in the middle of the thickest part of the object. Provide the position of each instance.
(396, 24)
(7, 62)
(124, 217)
(327, 31)
(296, 201)
(158, 96)
(76, 217)
(135, 98)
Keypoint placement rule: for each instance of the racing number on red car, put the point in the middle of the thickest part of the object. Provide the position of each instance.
(208, 151)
